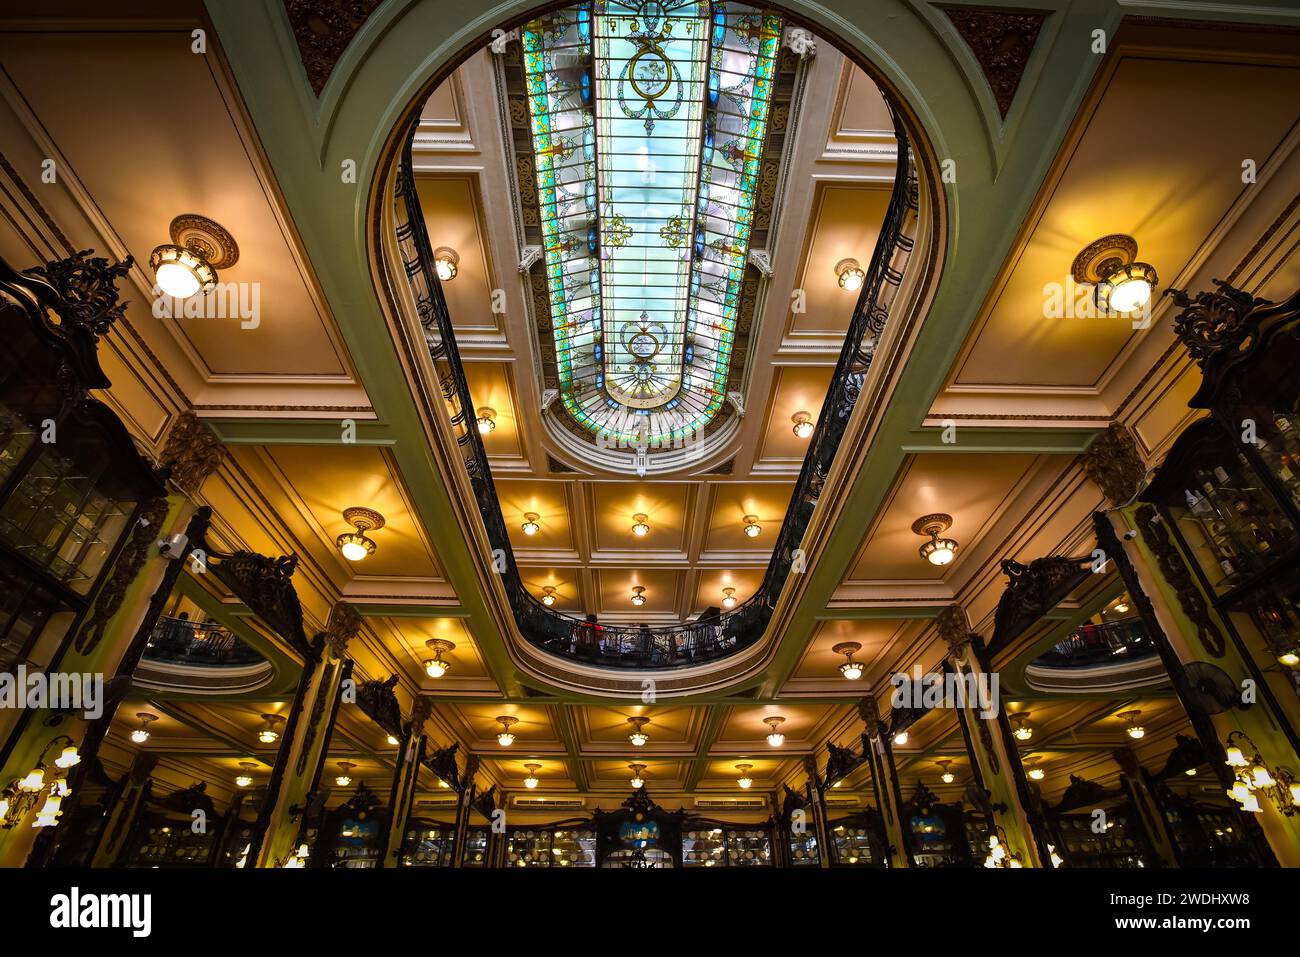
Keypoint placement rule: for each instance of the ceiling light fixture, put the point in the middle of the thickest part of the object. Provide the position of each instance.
(1020, 725)
(345, 778)
(392, 741)
(141, 734)
(850, 669)
(271, 733)
(189, 263)
(745, 781)
(775, 738)
(752, 528)
(1133, 730)
(486, 419)
(641, 528)
(1121, 607)
(900, 739)
(638, 782)
(803, 424)
(946, 775)
(506, 737)
(355, 545)
(937, 551)
(437, 666)
(530, 526)
(548, 595)
(638, 737)
(445, 263)
(531, 781)
(1122, 284)
(1289, 658)
(638, 595)
(729, 598)
(850, 275)
(245, 778)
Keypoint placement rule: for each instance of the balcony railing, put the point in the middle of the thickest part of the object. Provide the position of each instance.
(672, 646)
(179, 641)
(1095, 644)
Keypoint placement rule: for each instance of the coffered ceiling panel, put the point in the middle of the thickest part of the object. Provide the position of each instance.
(567, 582)
(845, 224)
(552, 775)
(878, 637)
(549, 501)
(804, 725)
(795, 389)
(658, 774)
(1170, 195)
(730, 503)
(454, 219)
(971, 487)
(663, 592)
(407, 637)
(668, 509)
(603, 729)
(140, 172)
(475, 723)
(710, 584)
(491, 386)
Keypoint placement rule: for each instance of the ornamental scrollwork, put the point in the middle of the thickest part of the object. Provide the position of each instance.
(1213, 320)
(87, 289)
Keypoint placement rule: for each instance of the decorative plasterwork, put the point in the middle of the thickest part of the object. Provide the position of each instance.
(323, 29)
(192, 453)
(1114, 463)
(1002, 42)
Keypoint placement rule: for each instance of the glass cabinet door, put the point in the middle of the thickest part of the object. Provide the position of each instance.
(804, 851)
(1229, 518)
(1266, 399)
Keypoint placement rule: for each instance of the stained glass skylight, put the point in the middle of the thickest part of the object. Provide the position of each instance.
(648, 121)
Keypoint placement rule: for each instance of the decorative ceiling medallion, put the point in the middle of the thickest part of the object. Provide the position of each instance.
(1002, 43)
(206, 237)
(647, 122)
(1101, 255)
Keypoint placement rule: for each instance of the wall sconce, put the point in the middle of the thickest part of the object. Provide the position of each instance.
(999, 855)
(1122, 284)
(245, 777)
(849, 274)
(189, 263)
(638, 595)
(1020, 726)
(946, 775)
(744, 781)
(937, 551)
(141, 734)
(355, 545)
(486, 419)
(803, 424)
(774, 737)
(531, 781)
(21, 795)
(638, 782)
(638, 737)
(1254, 777)
(345, 778)
(641, 527)
(752, 528)
(271, 733)
(548, 595)
(506, 737)
(1133, 730)
(437, 666)
(852, 670)
(445, 263)
(728, 598)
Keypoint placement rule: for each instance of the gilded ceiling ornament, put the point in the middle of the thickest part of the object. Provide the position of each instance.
(953, 627)
(344, 624)
(323, 29)
(1001, 43)
(1112, 461)
(421, 709)
(192, 453)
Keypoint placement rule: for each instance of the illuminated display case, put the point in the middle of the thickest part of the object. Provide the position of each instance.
(804, 850)
(1084, 841)
(857, 841)
(557, 845)
(427, 843)
(476, 847)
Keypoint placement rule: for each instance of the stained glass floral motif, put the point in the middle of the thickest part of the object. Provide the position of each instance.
(648, 121)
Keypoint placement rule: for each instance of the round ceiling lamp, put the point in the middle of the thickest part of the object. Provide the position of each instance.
(437, 666)
(356, 546)
(532, 781)
(245, 778)
(937, 551)
(345, 777)
(638, 737)
(641, 527)
(946, 775)
(744, 781)
(752, 528)
(530, 526)
(849, 274)
(270, 733)
(728, 598)
(638, 595)
(1132, 729)
(900, 739)
(1020, 725)
(774, 737)
(188, 264)
(506, 737)
(141, 734)
(638, 781)
(446, 262)
(486, 418)
(803, 424)
(850, 669)
(548, 595)
(1121, 283)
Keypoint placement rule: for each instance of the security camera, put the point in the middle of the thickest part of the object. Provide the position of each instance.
(1131, 534)
(174, 547)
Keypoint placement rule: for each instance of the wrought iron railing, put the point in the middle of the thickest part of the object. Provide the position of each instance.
(730, 631)
(1094, 644)
(181, 641)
